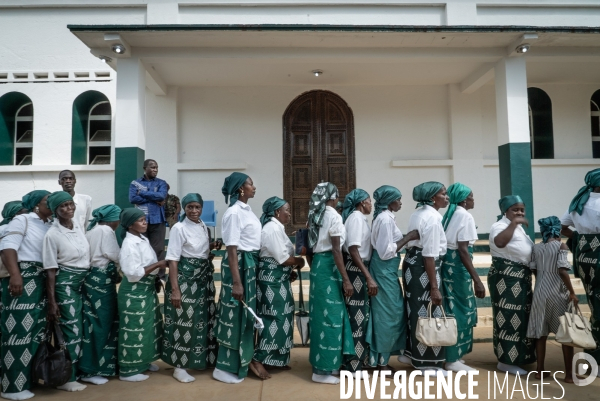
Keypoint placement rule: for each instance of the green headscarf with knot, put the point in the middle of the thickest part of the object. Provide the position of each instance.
(269, 208)
(423, 193)
(324, 192)
(129, 216)
(33, 198)
(189, 198)
(352, 199)
(457, 193)
(10, 210)
(231, 187)
(106, 213)
(58, 198)
(592, 180)
(549, 227)
(384, 195)
(506, 202)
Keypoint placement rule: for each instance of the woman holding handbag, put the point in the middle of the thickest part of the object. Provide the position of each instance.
(23, 294)
(553, 292)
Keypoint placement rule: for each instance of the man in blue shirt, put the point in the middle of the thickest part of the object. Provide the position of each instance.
(148, 194)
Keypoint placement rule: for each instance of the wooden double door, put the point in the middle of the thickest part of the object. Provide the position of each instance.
(318, 146)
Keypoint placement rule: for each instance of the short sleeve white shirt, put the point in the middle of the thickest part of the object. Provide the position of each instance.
(63, 246)
(518, 249)
(188, 239)
(241, 227)
(28, 247)
(104, 247)
(136, 254)
(589, 220)
(428, 222)
(332, 226)
(275, 243)
(83, 210)
(385, 235)
(358, 233)
(461, 228)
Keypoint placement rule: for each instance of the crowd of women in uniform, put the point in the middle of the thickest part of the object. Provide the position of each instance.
(360, 314)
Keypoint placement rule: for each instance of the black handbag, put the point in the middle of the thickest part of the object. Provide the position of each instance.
(52, 363)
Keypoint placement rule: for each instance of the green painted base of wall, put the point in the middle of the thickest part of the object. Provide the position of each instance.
(515, 177)
(128, 166)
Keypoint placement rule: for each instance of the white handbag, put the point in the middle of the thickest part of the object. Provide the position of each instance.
(575, 330)
(437, 331)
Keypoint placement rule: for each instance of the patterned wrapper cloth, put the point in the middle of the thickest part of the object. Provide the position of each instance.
(386, 333)
(358, 307)
(509, 284)
(141, 326)
(23, 327)
(418, 296)
(460, 301)
(100, 322)
(235, 327)
(330, 331)
(587, 257)
(186, 338)
(69, 298)
(275, 306)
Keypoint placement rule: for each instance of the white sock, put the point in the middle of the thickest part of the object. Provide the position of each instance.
(98, 380)
(325, 379)
(153, 368)
(404, 359)
(72, 386)
(433, 371)
(461, 360)
(512, 369)
(226, 377)
(458, 366)
(183, 376)
(135, 378)
(21, 395)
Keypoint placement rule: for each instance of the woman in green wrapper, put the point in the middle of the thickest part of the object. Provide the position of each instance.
(66, 256)
(100, 314)
(420, 273)
(330, 331)
(386, 331)
(509, 282)
(275, 300)
(241, 234)
(584, 215)
(459, 275)
(188, 340)
(140, 320)
(23, 295)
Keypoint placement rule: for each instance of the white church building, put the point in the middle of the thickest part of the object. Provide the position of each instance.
(501, 95)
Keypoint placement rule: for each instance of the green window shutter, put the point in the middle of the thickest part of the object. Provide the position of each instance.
(542, 145)
(10, 103)
(79, 134)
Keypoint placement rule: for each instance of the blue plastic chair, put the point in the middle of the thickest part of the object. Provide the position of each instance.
(209, 214)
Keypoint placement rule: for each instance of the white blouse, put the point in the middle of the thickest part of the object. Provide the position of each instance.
(28, 247)
(274, 243)
(83, 210)
(428, 222)
(518, 249)
(66, 247)
(385, 235)
(136, 254)
(188, 239)
(333, 226)
(461, 228)
(104, 247)
(358, 233)
(241, 227)
(589, 221)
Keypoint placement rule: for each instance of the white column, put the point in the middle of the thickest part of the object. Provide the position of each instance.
(130, 121)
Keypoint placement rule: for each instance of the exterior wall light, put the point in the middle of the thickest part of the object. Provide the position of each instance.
(105, 59)
(317, 72)
(118, 48)
(524, 48)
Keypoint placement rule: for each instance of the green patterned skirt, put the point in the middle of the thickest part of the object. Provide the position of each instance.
(587, 258)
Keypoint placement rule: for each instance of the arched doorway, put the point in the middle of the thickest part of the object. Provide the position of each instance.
(318, 146)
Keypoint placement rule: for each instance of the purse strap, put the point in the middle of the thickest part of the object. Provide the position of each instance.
(56, 332)
(574, 310)
(301, 300)
(429, 311)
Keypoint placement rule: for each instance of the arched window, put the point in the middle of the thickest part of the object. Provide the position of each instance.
(91, 135)
(540, 124)
(595, 114)
(16, 129)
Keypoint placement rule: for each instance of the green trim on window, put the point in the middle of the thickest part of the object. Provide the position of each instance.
(10, 103)
(128, 166)
(79, 133)
(515, 177)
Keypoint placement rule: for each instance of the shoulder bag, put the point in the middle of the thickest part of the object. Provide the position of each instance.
(437, 331)
(51, 365)
(575, 330)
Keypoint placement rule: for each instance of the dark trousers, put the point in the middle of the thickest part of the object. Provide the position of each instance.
(156, 235)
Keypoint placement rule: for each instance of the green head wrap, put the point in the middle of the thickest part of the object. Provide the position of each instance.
(33, 198)
(10, 210)
(324, 192)
(104, 213)
(457, 193)
(58, 198)
(189, 198)
(506, 202)
(592, 180)
(231, 186)
(549, 227)
(384, 195)
(129, 216)
(423, 193)
(339, 206)
(269, 208)
(352, 199)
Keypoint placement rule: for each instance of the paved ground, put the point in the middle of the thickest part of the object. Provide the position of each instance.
(296, 385)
